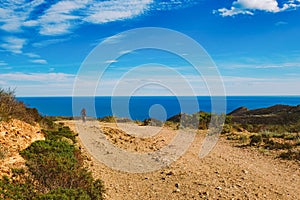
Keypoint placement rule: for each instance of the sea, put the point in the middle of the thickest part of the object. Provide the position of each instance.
(143, 107)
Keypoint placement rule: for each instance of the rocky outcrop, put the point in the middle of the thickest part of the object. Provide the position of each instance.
(15, 136)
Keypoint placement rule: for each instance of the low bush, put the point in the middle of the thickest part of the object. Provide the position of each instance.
(291, 136)
(255, 140)
(108, 119)
(290, 155)
(10, 107)
(272, 145)
(227, 128)
(152, 122)
(65, 194)
(63, 131)
(48, 123)
(11, 189)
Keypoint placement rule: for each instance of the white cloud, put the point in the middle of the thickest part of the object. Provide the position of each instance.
(13, 44)
(111, 61)
(268, 65)
(2, 63)
(234, 85)
(50, 42)
(64, 16)
(36, 77)
(266, 5)
(107, 11)
(58, 19)
(14, 13)
(39, 84)
(281, 23)
(32, 55)
(39, 61)
(174, 4)
(250, 6)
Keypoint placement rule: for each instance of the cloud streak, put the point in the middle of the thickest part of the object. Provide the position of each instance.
(37, 77)
(63, 16)
(39, 61)
(2, 63)
(13, 44)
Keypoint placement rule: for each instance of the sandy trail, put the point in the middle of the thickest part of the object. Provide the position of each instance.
(228, 172)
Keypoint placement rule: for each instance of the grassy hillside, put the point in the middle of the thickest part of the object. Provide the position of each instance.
(54, 167)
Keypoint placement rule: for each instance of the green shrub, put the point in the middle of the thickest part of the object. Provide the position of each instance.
(47, 123)
(65, 194)
(52, 163)
(60, 133)
(243, 138)
(57, 166)
(290, 136)
(297, 143)
(290, 155)
(249, 127)
(152, 122)
(266, 134)
(226, 129)
(270, 144)
(278, 135)
(173, 125)
(255, 140)
(10, 189)
(233, 137)
(108, 119)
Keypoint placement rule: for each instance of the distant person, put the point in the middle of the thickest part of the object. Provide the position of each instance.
(83, 114)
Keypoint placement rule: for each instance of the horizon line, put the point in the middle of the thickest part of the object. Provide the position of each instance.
(253, 95)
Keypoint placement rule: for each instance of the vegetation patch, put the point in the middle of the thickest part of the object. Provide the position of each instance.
(108, 119)
(290, 155)
(10, 108)
(55, 170)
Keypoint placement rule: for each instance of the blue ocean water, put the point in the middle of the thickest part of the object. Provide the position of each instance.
(140, 108)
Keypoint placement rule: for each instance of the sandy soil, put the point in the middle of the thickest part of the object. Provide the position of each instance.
(228, 172)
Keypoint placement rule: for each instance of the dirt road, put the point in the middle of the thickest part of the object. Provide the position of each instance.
(228, 172)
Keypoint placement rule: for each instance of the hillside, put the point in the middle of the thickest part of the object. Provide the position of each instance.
(274, 115)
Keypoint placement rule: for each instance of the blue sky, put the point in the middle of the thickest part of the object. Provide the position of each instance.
(254, 43)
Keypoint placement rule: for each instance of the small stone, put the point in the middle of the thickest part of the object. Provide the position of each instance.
(177, 190)
(219, 188)
(177, 185)
(245, 171)
(170, 173)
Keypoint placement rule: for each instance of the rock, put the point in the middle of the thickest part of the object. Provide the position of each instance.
(16, 135)
(169, 173)
(176, 190)
(219, 188)
(245, 171)
(177, 185)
